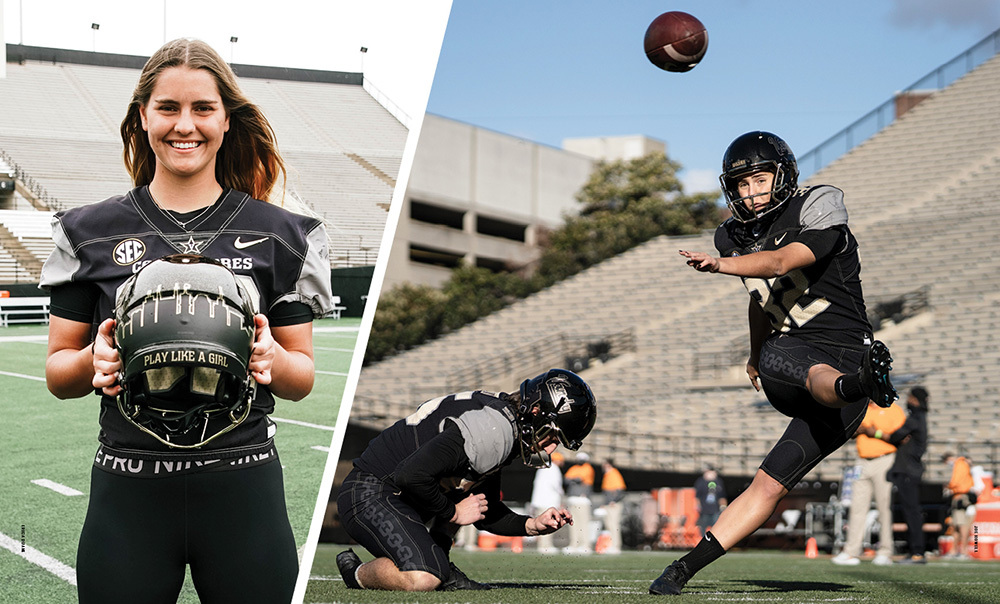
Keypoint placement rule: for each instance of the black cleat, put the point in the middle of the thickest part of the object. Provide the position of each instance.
(458, 580)
(348, 563)
(875, 370)
(672, 580)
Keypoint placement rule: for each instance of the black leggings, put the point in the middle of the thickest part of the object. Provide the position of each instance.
(815, 430)
(230, 526)
(378, 518)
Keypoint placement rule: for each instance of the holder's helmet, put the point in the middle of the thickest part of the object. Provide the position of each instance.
(756, 152)
(557, 402)
(184, 331)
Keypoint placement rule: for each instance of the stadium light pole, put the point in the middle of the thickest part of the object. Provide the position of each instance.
(232, 47)
(364, 50)
(93, 30)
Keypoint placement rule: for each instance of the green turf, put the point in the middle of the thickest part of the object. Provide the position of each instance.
(44, 437)
(531, 578)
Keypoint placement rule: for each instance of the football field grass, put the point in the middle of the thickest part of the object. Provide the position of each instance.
(47, 448)
(762, 577)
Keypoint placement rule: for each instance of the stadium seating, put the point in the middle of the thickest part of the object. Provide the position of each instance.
(342, 147)
(922, 201)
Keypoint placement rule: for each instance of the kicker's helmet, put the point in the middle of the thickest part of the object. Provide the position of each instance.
(185, 331)
(557, 402)
(755, 152)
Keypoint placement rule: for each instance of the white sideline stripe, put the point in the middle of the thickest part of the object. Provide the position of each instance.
(55, 486)
(337, 373)
(328, 349)
(37, 558)
(306, 424)
(336, 329)
(320, 448)
(21, 375)
(33, 339)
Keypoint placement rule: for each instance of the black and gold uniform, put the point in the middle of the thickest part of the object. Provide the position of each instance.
(220, 508)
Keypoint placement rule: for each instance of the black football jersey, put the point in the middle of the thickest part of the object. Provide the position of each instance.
(823, 301)
(103, 244)
(488, 439)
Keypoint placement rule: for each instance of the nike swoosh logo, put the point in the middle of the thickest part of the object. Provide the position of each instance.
(778, 240)
(245, 244)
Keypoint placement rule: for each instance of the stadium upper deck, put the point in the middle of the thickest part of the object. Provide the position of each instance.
(60, 111)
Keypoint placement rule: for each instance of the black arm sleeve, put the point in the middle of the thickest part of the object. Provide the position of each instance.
(289, 313)
(418, 476)
(824, 241)
(500, 519)
(75, 300)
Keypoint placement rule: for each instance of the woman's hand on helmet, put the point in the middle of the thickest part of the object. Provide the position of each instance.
(107, 363)
(262, 356)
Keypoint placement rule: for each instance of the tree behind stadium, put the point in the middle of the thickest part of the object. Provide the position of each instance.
(623, 204)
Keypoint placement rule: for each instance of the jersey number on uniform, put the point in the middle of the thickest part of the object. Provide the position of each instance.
(780, 299)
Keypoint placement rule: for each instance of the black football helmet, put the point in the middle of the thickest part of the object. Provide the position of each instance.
(557, 402)
(185, 331)
(755, 152)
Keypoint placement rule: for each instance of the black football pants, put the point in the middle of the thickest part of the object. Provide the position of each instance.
(231, 527)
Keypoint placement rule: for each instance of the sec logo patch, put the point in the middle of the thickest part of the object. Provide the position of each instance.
(129, 251)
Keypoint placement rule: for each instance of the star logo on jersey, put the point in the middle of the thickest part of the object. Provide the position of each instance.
(191, 246)
(242, 245)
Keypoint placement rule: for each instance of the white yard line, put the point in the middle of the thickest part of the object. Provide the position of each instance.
(305, 424)
(42, 339)
(337, 373)
(355, 329)
(23, 376)
(319, 448)
(55, 486)
(37, 558)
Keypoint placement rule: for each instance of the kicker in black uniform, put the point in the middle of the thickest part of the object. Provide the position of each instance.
(439, 469)
(811, 346)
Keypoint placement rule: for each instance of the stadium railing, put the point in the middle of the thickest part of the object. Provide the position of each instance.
(875, 120)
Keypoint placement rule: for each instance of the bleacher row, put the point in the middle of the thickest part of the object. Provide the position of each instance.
(60, 124)
(922, 198)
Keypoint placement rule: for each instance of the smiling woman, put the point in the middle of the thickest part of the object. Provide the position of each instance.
(186, 121)
(204, 163)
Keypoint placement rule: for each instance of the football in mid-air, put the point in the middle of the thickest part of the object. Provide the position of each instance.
(676, 41)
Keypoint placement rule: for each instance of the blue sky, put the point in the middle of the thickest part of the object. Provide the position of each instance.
(547, 71)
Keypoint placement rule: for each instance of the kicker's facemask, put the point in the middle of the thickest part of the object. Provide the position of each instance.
(185, 331)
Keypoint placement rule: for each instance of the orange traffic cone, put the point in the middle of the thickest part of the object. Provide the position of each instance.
(811, 550)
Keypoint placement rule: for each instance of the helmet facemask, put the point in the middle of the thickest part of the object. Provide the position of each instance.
(780, 192)
(556, 406)
(758, 152)
(185, 331)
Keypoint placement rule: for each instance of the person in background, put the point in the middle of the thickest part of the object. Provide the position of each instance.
(612, 483)
(962, 496)
(911, 442)
(877, 457)
(710, 493)
(547, 492)
(580, 477)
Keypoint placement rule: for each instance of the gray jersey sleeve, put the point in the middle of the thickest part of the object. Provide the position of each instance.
(823, 208)
(313, 287)
(489, 438)
(62, 262)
